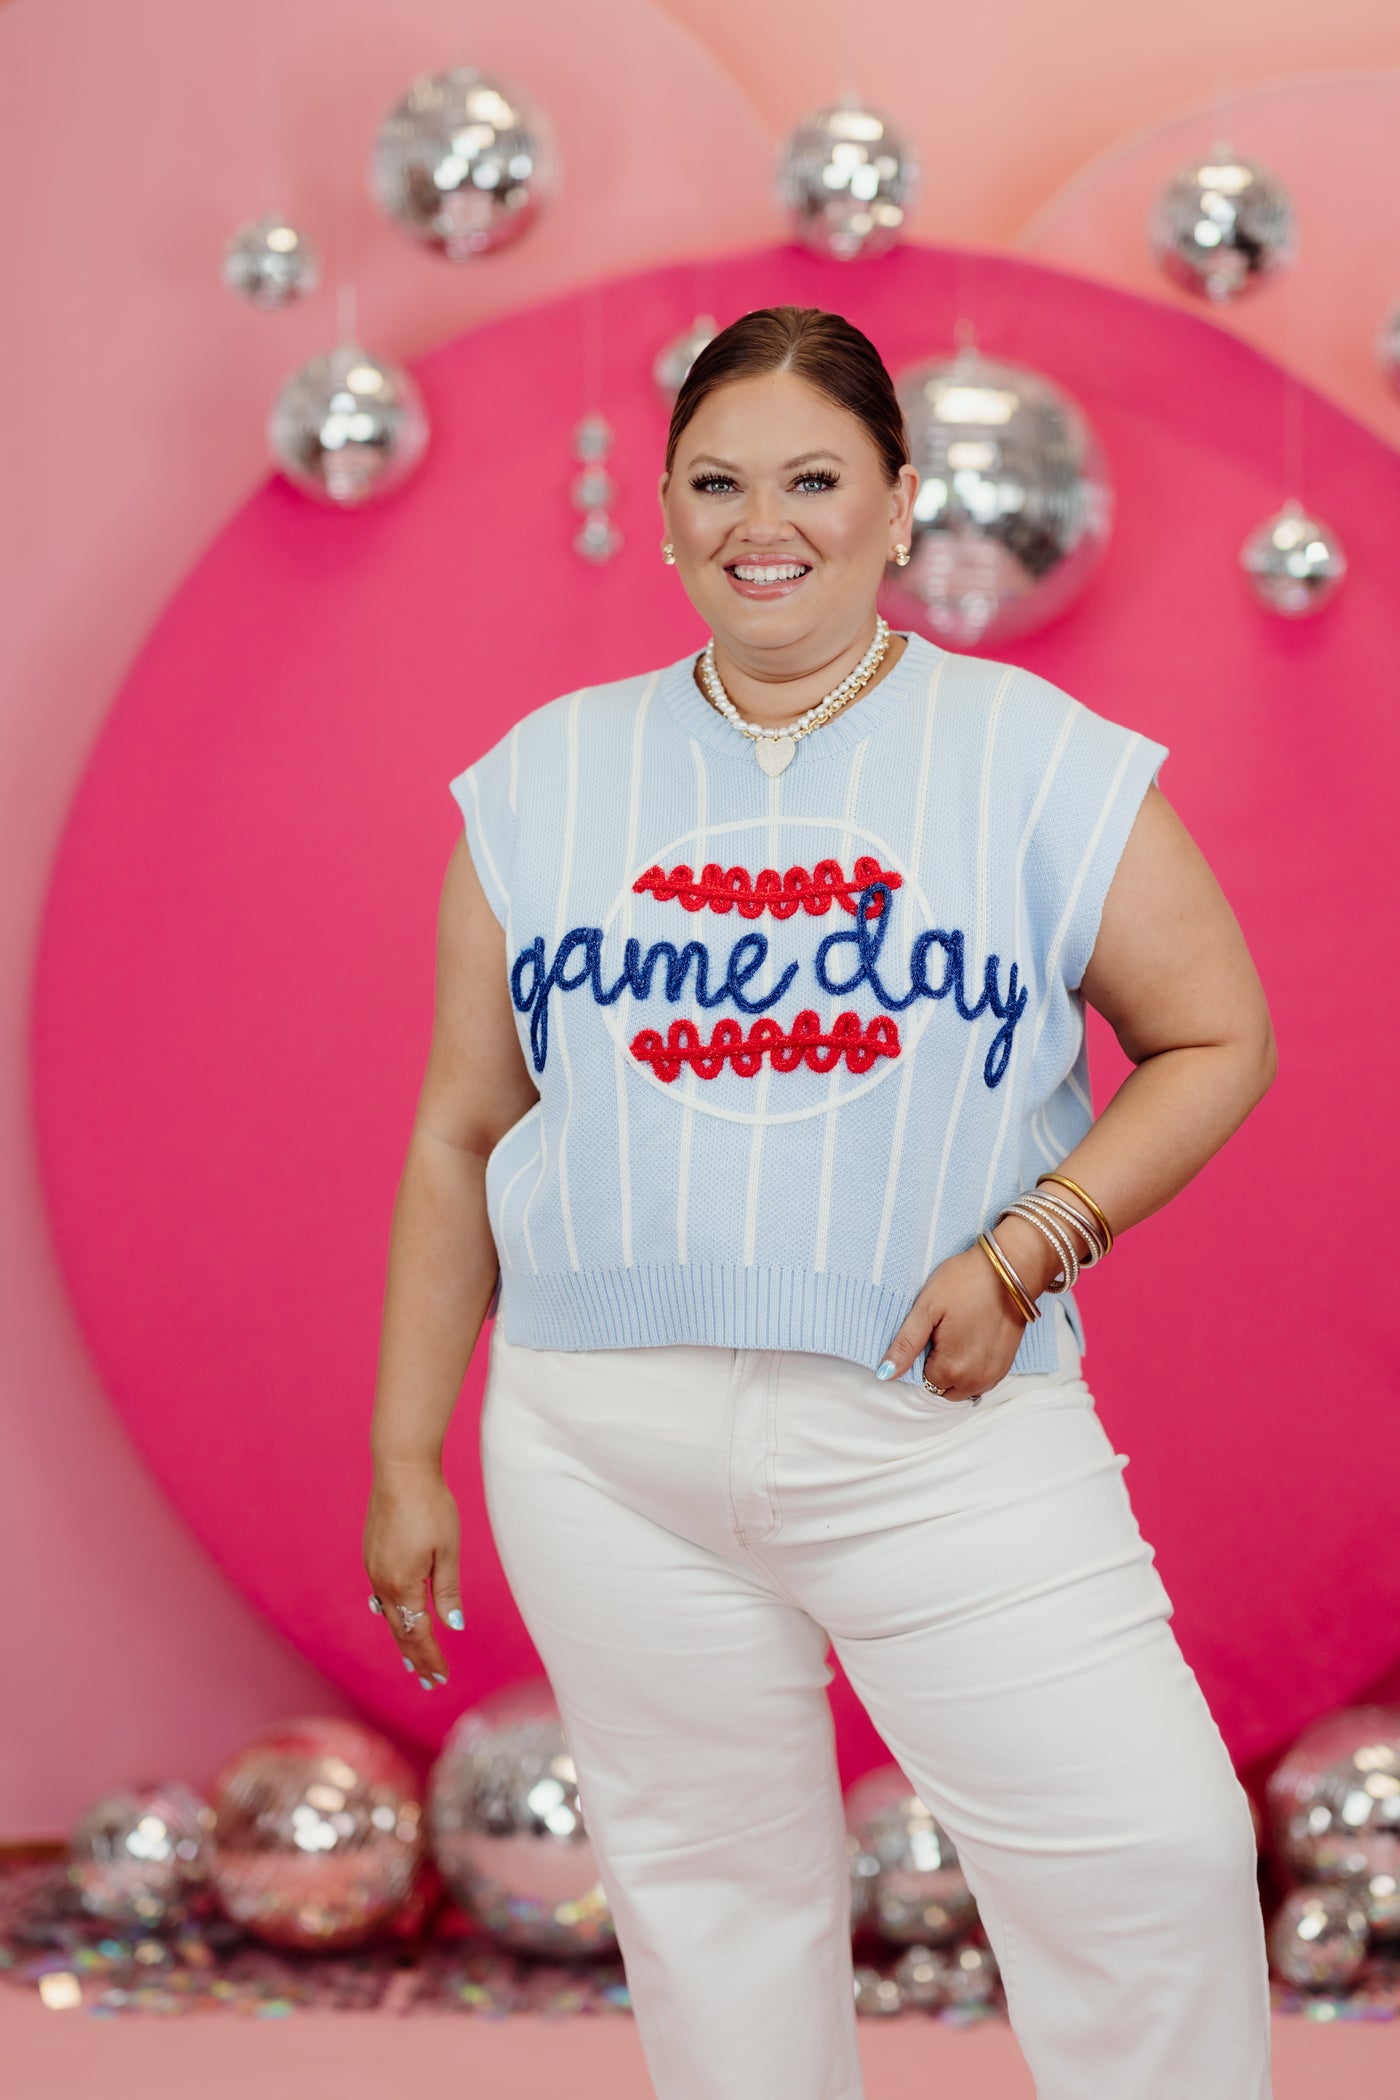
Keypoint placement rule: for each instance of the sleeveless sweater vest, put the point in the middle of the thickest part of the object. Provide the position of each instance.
(798, 1039)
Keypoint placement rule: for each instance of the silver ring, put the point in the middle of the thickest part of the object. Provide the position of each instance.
(409, 1616)
(376, 1604)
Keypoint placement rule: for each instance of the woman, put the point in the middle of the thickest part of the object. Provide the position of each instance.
(760, 1020)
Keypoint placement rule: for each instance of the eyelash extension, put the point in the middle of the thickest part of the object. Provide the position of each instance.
(824, 475)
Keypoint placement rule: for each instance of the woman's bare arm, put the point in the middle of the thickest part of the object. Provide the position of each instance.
(1172, 976)
(442, 1259)
(441, 1271)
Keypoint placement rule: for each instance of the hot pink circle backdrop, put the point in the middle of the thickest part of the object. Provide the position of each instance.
(233, 991)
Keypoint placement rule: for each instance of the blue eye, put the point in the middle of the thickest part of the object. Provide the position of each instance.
(812, 482)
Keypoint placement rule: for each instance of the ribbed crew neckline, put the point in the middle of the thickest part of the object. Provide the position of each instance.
(862, 717)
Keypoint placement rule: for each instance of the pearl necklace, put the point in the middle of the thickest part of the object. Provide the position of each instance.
(774, 748)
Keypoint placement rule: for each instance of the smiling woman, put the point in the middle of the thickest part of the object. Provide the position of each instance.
(786, 1228)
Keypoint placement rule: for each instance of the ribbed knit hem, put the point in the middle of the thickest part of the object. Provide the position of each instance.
(729, 1304)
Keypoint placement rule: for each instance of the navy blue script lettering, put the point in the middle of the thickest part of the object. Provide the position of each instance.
(578, 961)
(867, 936)
(531, 983)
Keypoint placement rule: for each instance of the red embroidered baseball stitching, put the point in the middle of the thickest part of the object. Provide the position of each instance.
(858, 1043)
(811, 890)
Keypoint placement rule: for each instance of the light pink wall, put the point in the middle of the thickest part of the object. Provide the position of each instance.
(1006, 102)
(131, 140)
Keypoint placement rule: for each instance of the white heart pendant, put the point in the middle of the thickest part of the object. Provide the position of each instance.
(773, 753)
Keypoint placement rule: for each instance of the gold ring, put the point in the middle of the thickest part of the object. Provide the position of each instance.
(935, 1388)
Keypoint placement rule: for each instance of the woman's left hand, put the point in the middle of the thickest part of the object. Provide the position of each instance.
(964, 1316)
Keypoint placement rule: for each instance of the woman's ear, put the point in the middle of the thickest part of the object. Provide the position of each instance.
(661, 491)
(902, 500)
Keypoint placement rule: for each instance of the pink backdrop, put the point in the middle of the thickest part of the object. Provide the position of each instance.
(132, 140)
(233, 998)
(1328, 139)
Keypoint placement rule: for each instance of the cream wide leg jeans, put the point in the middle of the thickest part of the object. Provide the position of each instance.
(687, 1530)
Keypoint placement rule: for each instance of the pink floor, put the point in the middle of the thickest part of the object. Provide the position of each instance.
(363, 2056)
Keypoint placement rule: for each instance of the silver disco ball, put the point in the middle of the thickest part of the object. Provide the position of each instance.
(922, 1976)
(973, 1975)
(348, 426)
(877, 1995)
(932, 1977)
(1014, 507)
(141, 1857)
(675, 358)
(847, 182)
(464, 163)
(318, 1834)
(904, 1863)
(1293, 562)
(506, 1828)
(1334, 1808)
(1222, 225)
(269, 263)
(1317, 1938)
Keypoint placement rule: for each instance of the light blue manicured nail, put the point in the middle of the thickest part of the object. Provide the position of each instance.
(439, 1676)
(456, 1621)
(886, 1369)
(407, 1662)
(427, 1683)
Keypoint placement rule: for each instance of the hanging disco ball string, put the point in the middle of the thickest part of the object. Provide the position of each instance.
(1222, 225)
(1292, 561)
(1015, 501)
(1224, 222)
(349, 425)
(593, 490)
(464, 163)
(847, 179)
(271, 263)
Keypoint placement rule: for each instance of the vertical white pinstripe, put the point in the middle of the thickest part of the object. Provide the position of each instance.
(906, 1077)
(1052, 959)
(765, 1070)
(833, 1083)
(979, 947)
(1048, 1153)
(688, 1081)
(523, 1168)
(513, 780)
(487, 856)
(558, 1036)
(624, 1163)
(1015, 1093)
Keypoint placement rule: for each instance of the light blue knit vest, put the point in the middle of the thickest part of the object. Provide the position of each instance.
(797, 1039)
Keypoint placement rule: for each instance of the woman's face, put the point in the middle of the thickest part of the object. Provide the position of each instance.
(770, 474)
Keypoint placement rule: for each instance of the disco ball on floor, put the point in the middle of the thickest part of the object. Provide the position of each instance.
(506, 1827)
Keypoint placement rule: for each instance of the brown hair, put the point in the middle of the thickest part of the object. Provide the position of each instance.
(824, 349)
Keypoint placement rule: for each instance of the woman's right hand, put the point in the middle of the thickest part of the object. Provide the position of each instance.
(412, 1555)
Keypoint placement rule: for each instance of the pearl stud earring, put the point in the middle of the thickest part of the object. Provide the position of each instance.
(901, 554)
(668, 553)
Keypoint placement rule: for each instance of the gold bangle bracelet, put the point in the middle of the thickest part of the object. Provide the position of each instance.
(1022, 1303)
(1086, 1199)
